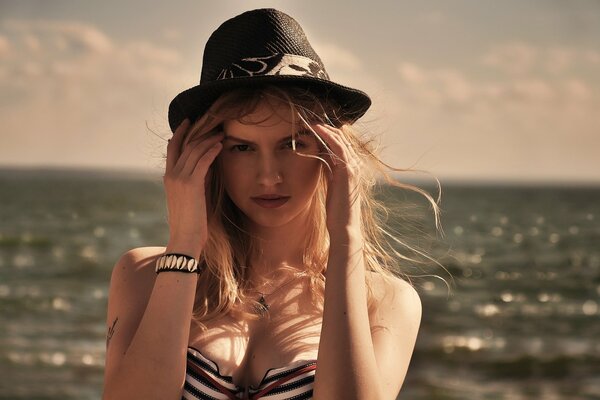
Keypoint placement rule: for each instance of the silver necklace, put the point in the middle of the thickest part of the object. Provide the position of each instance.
(263, 307)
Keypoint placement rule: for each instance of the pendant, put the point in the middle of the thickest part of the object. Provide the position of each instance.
(263, 307)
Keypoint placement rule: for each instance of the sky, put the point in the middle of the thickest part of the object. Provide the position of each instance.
(477, 91)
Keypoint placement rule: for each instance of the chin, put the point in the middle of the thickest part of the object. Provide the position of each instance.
(269, 221)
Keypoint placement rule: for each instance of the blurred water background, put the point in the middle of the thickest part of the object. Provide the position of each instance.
(519, 318)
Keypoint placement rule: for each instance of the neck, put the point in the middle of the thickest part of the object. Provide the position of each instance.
(280, 251)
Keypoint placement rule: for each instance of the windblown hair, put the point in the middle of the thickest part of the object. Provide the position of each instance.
(230, 247)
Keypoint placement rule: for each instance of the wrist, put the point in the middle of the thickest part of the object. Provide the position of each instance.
(176, 262)
(345, 236)
(185, 245)
(348, 225)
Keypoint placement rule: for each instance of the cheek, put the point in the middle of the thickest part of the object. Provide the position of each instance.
(306, 170)
(232, 176)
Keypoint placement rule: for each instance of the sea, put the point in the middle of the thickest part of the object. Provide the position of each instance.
(510, 286)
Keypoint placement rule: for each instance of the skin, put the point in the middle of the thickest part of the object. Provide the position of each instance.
(360, 355)
(381, 344)
(257, 158)
(143, 346)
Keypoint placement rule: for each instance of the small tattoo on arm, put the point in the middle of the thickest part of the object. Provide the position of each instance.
(111, 331)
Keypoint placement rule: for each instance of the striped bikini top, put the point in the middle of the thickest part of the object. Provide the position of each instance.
(203, 381)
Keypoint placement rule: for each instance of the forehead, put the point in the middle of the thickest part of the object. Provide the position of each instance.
(266, 116)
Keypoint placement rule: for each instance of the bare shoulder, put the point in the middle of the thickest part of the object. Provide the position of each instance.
(395, 324)
(133, 275)
(395, 296)
(138, 260)
(131, 284)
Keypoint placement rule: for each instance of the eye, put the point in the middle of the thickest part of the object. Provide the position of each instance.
(299, 143)
(239, 147)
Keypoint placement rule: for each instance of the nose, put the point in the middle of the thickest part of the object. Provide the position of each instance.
(269, 171)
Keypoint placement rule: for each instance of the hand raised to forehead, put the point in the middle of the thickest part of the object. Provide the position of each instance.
(340, 152)
(343, 207)
(185, 181)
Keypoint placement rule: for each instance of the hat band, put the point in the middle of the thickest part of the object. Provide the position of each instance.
(276, 64)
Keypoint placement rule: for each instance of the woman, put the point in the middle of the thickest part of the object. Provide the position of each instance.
(275, 281)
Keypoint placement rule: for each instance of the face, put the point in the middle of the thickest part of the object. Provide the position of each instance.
(258, 160)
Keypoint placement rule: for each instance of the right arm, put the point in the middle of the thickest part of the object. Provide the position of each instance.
(149, 328)
(147, 361)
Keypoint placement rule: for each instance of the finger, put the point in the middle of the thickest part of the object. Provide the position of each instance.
(197, 150)
(192, 151)
(333, 142)
(174, 145)
(350, 147)
(204, 162)
(331, 160)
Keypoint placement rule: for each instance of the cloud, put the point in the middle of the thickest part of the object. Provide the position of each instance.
(411, 73)
(91, 94)
(513, 58)
(434, 17)
(79, 58)
(577, 89)
(435, 86)
(559, 59)
(78, 96)
(530, 90)
(533, 120)
(457, 90)
(171, 33)
(520, 58)
(4, 46)
(82, 88)
(64, 36)
(592, 56)
(337, 58)
(31, 42)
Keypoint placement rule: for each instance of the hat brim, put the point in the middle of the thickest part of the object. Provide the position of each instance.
(194, 102)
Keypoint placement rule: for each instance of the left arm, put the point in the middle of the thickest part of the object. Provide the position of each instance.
(363, 357)
(353, 361)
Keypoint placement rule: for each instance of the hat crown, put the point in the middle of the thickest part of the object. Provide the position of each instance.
(272, 32)
(262, 47)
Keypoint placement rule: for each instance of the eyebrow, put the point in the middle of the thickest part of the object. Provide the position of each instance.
(237, 139)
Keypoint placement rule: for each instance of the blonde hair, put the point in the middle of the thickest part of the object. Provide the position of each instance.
(230, 247)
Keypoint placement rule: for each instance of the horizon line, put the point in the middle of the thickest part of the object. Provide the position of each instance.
(147, 173)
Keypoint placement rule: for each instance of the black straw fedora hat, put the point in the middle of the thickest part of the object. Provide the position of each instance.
(259, 47)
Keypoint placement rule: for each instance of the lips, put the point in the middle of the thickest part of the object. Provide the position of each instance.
(271, 200)
(270, 196)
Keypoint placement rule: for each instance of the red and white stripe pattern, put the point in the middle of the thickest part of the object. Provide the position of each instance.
(203, 381)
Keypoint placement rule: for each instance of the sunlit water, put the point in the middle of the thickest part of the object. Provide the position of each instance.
(521, 319)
